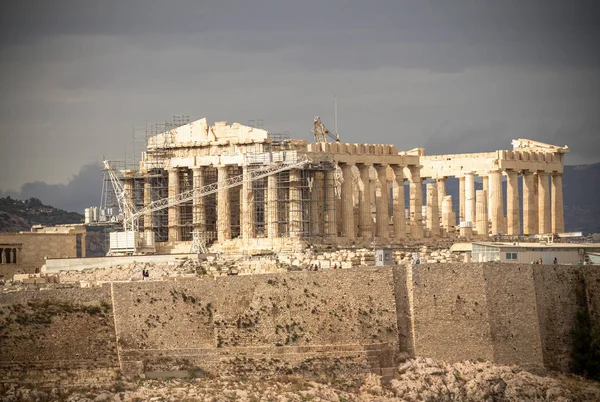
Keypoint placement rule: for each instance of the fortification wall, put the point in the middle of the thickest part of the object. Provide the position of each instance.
(60, 333)
(512, 312)
(328, 321)
(308, 313)
(557, 304)
(451, 320)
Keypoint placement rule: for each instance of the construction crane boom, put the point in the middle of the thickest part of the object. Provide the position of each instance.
(124, 203)
(130, 223)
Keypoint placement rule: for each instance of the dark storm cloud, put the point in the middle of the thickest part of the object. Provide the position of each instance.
(476, 32)
(83, 190)
(455, 76)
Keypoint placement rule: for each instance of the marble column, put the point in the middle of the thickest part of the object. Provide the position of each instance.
(448, 215)
(441, 188)
(513, 215)
(536, 188)
(128, 196)
(461, 199)
(382, 213)
(247, 200)
(366, 221)
(529, 209)
(544, 217)
(433, 215)
(485, 185)
(416, 202)
(470, 198)
(316, 204)
(558, 220)
(295, 212)
(481, 213)
(223, 211)
(347, 202)
(272, 207)
(399, 207)
(173, 213)
(330, 221)
(148, 219)
(198, 215)
(497, 204)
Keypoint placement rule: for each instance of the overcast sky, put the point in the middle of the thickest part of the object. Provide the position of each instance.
(449, 76)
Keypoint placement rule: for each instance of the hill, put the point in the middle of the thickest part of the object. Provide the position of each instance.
(18, 215)
(581, 196)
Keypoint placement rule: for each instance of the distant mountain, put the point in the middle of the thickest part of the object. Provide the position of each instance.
(18, 215)
(581, 196)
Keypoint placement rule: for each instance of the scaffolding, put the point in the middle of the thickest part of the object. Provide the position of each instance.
(301, 203)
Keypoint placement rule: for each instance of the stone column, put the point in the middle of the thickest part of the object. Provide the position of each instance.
(497, 205)
(481, 213)
(247, 207)
(198, 215)
(347, 202)
(272, 207)
(544, 218)
(513, 220)
(399, 207)
(461, 199)
(173, 214)
(316, 201)
(485, 185)
(529, 209)
(223, 211)
(295, 213)
(365, 225)
(382, 213)
(441, 187)
(416, 202)
(536, 188)
(433, 215)
(148, 219)
(448, 216)
(470, 197)
(2, 258)
(558, 220)
(330, 222)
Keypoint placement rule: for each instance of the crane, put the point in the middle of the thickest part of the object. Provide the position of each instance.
(125, 205)
(321, 132)
(130, 222)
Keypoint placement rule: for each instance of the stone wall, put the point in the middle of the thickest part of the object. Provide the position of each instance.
(69, 330)
(36, 247)
(336, 321)
(451, 314)
(512, 312)
(557, 306)
(281, 314)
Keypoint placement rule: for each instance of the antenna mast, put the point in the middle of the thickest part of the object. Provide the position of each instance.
(337, 135)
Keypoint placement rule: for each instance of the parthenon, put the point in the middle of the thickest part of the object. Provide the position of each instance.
(343, 194)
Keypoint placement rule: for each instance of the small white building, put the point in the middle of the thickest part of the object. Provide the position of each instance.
(565, 253)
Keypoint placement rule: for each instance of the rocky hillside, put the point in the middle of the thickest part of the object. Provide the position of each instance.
(415, 380)
(18, 215)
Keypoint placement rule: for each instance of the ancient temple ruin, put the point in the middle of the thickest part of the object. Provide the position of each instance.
(239, 187)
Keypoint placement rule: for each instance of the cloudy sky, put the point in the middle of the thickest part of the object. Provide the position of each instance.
(450, 76)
